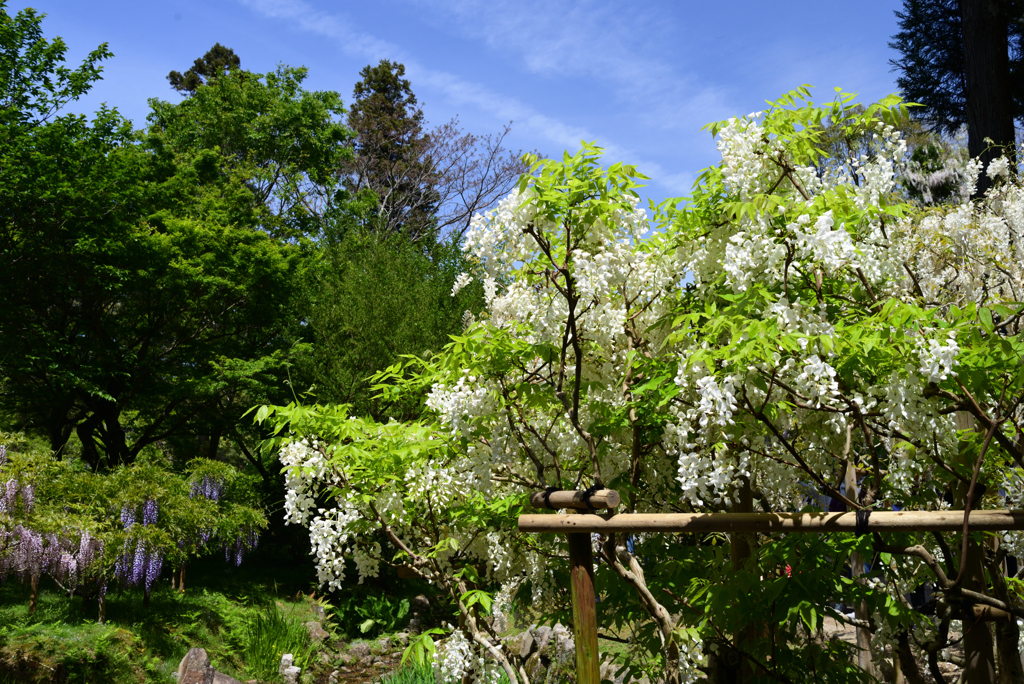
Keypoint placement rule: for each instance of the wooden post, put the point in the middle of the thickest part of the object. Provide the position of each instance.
(584, 608)
(860, 610)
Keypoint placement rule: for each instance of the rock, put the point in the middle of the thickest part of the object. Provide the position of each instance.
(542, 637)
(333, 677)
(316, 631)
(384, 645)
(403, 638)
(535, 669)
(319, 611)
(421, 603)
(287, 660)
(565, 646)
(291, 675)
(359, 650)
(347, 659)
(221, 678)
(525, 645)
(366, 661)
(195, 668)
(499, 623)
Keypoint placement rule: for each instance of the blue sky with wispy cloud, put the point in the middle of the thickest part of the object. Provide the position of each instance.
(639, 78)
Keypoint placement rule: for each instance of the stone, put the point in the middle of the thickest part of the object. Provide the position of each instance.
(403, 638)
(359, 650)
(291, 675)
(542, 637)
(347, 659)
(499, 623)
(333, 677)
(195, 668)
(221, 678)
(316, 630)
(415, 625)
(565, 645)
(319, 611)
(385, 645)
(421, 603)
(525, 645)
(535, 669)
(287, 660)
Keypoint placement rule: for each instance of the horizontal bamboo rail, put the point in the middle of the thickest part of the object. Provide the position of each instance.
(890, 521)
(566, 498)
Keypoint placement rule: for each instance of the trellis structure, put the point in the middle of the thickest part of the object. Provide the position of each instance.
(578, 528)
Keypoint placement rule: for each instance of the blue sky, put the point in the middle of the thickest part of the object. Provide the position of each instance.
(639, 78)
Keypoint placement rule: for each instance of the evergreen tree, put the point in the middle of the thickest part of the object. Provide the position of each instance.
(391, 152)
(217, 61)
(964, 60)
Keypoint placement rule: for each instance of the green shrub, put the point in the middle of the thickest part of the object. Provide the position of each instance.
(371, 614)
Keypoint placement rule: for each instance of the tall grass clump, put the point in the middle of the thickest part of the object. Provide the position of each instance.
(268, 636)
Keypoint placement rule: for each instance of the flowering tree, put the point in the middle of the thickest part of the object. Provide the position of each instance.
(87, 530)
(789, 329)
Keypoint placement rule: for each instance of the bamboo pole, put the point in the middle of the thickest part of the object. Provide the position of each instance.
(890, 521)
(584, 608)
(602, 498)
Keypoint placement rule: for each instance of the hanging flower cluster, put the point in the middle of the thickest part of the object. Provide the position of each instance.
(245, 542)
(208, 487)
(140, 561)
(792, 318)
(67, 558)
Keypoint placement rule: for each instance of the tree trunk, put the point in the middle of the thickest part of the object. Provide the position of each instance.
(103, 606)
(979, 665)
(181, 580)
(979, 657)
(742, 547)
(215, 435)
(905, 662)
(1007, 633)
(34, 593)
(989, 104)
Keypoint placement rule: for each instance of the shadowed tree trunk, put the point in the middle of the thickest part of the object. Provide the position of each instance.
(987, 80)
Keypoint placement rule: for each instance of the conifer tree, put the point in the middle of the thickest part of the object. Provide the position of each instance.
(391, 151)
(217, 60)
(964, 61)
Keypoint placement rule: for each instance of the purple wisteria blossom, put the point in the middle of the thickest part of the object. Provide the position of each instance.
(209, 487)
(9, 492)
(139, 565)
(248, 541)
(138, 562)
(128, 516)
(149, 512)
(66, 558)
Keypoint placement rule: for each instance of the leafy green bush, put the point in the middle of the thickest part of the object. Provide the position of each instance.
(268, 636)
(371, 614)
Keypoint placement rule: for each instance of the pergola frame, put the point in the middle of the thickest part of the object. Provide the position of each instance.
(578, 528)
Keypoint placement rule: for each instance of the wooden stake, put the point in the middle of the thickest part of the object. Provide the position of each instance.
(892, 521)
(584, 608)
(860, 609)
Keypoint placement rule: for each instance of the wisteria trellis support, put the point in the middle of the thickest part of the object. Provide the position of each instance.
(578, 529)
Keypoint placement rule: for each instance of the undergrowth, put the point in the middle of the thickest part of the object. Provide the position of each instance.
(61, 643)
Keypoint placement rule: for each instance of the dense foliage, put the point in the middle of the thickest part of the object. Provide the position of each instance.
(791, 326)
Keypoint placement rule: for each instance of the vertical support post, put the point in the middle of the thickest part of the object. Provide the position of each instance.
(979, 652)
(856, 570)
(584, 608)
